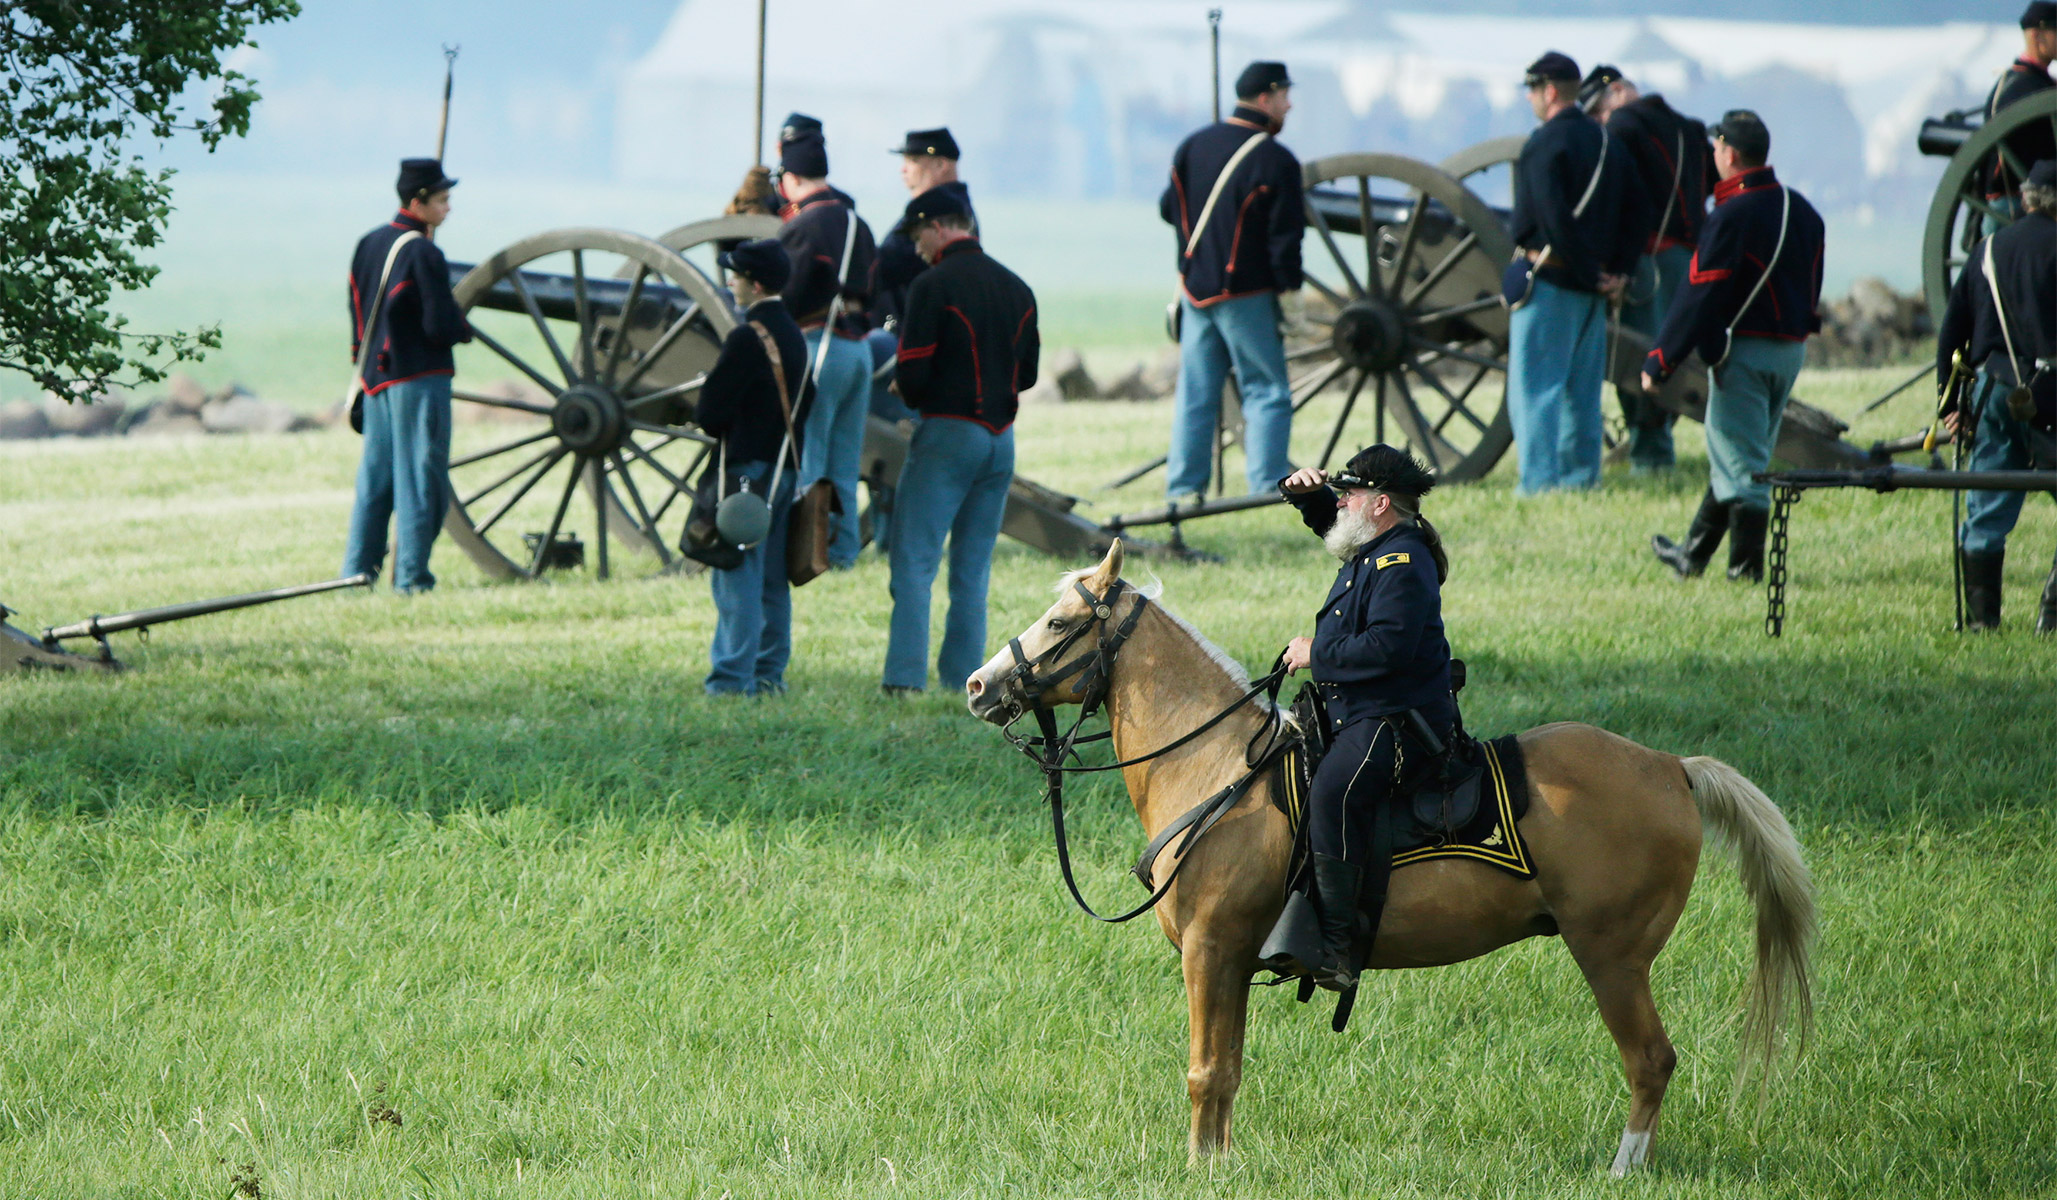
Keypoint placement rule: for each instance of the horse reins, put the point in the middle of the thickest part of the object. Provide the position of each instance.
(1023, 690)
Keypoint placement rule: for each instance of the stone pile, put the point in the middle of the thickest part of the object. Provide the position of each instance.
(184, 407)
(1873, 326)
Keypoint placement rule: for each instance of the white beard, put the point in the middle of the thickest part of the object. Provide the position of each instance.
(1352, 532)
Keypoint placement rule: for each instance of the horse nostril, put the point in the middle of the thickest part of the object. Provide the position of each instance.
(975, 686)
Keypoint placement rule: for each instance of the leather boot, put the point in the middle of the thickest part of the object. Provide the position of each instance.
(1295, 944)
(1747, 527)
(1337, 883)
(1982, 589)
(2046, 622)
(1690, 558)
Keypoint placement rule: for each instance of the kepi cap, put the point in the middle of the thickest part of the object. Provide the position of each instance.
(797, 124)
(1261, 77)
(1384, 468)
(1597, 81)
(764, 261)
(2043, 174)
(421, 178)
(1553, 67)
(1744, 130)
(2042, 14)
(936, 202)
(928, 143)
(806, 154)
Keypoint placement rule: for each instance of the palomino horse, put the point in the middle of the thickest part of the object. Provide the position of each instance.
(1613, 831)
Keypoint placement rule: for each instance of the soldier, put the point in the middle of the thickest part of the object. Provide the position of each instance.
(1749, 322)
(742, 405)
(406, 374)
(1234, 198)
(1577, 231)
(1674, 169)
(2008, 338)
(968, 346)
(832, 251)
(2035, 141)
(1378, 654)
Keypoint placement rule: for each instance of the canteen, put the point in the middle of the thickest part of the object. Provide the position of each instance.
(743, 518)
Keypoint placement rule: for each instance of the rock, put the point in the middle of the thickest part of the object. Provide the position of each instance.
(21, 420)
(1068, 369)
(185, 394)
(239, 412)
(1162, 377)
(82, 419)
(1044, 392)
(165, 418)
(1132, 386)
(504, 389)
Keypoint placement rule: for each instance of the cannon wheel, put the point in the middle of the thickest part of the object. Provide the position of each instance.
(698, 241)
(1471, 166)
(621, 380)
(1414, 317)
(1954, 216)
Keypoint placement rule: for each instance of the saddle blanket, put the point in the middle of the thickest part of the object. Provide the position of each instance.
(1478, 818)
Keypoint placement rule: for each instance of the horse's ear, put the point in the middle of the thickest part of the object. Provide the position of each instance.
(1109, 569)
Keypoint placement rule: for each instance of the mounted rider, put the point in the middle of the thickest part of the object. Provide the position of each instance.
(1381, 665)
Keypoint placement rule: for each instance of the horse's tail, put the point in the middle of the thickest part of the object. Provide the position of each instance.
(1768, 859)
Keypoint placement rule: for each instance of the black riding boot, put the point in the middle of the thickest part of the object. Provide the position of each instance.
(2046, 622)
(1747, 527)
(1690, 558)
(1982, 589)
(1337, 884)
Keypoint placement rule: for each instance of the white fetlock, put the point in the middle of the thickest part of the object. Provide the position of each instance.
(1634, 1152)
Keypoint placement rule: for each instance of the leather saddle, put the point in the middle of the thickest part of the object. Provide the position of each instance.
(1445, 793)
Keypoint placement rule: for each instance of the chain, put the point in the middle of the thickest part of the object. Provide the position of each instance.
(1775, 569)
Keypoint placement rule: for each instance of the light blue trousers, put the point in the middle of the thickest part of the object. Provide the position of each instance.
(1745, 403)
(954, 487)
(1650, 293)
(1242, 334)
(404, 478)
(1556, 355)
(753, 605)
(2001, 444)
(832, 444)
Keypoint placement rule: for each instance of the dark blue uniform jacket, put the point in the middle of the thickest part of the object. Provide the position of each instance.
(893, 271)
(1550, 177)
(968, 343)
(1657, 138)
(813, 237)
(740, 401)
(1739, 240)
(1252, 242)
(419, 321)
(1379, 647)
(2025, 259)
(2033, 142)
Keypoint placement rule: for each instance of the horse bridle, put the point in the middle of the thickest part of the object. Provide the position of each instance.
(1023, 690)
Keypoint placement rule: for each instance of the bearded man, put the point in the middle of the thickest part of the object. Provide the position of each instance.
(1379, 658)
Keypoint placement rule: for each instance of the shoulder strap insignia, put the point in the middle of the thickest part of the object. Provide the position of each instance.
(1392, 560)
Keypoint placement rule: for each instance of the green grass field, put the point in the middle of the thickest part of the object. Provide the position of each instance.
(475, 895)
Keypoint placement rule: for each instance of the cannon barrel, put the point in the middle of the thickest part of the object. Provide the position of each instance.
(1342, 211)
(96, 627)
(1944, 136)
(557, 296)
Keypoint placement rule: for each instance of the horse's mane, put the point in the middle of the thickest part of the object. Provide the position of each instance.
(1154, 590)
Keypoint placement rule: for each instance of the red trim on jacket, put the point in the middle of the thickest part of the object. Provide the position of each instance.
(978, 379)
(1696, 276)
(1735, 185)
(909, 353)
(986, 425)
(410, 378)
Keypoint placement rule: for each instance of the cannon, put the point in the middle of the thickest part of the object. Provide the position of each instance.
(1956, 214)
(618, 331)
(23, 651)
(1403, 260)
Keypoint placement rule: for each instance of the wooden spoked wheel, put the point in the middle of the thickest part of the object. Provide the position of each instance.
(1956, 217)
(611, 334)
(1404, 265)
